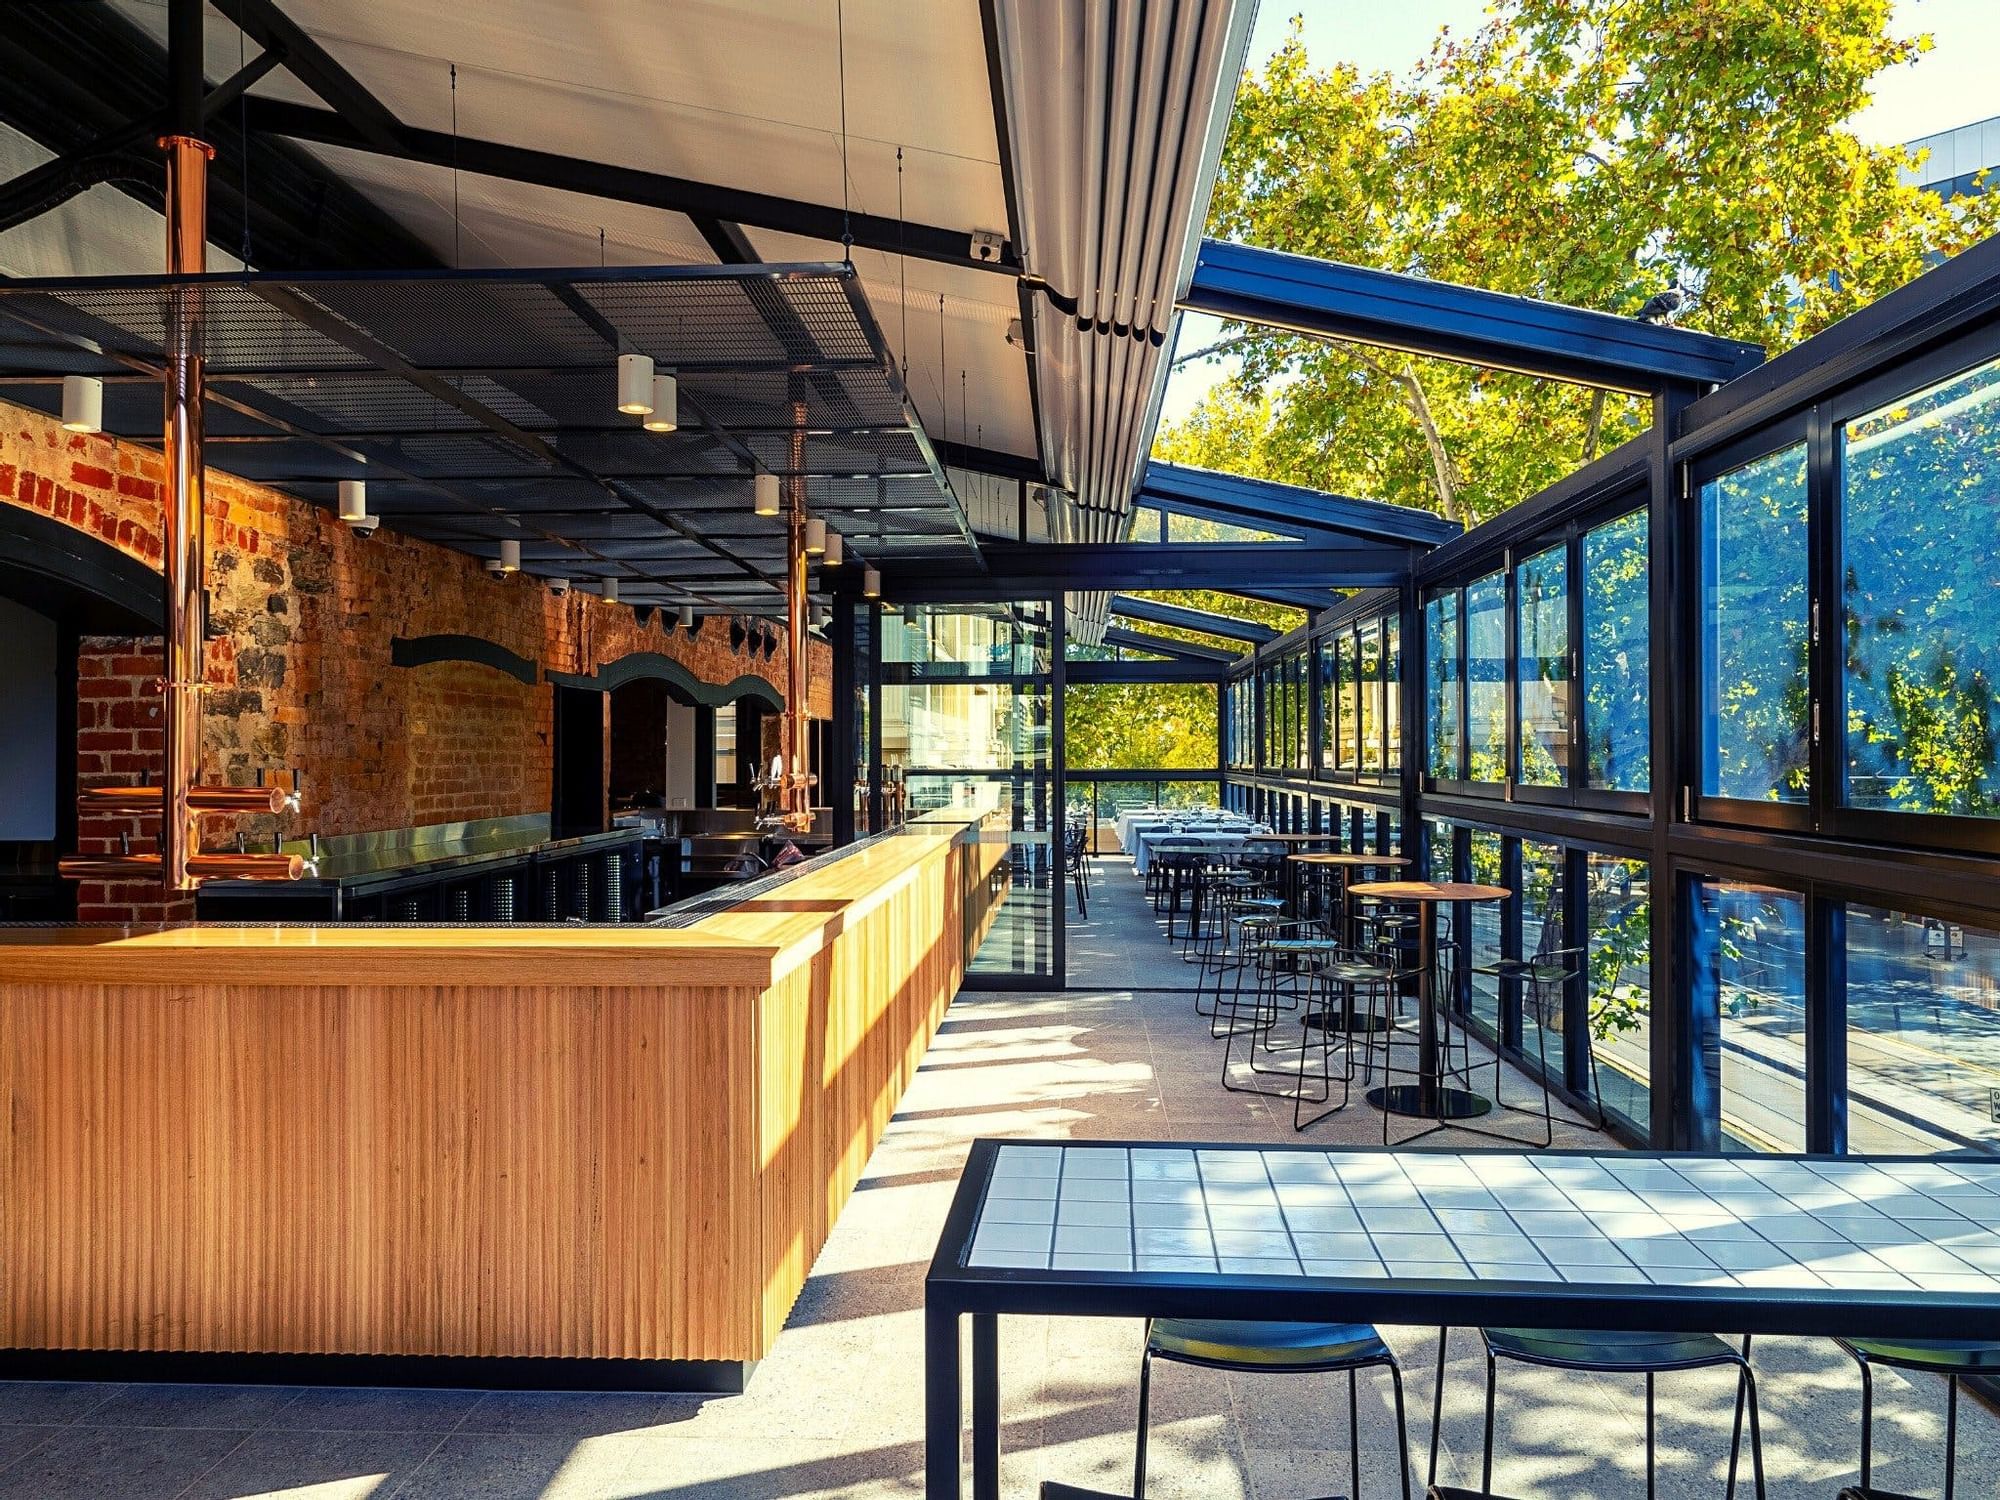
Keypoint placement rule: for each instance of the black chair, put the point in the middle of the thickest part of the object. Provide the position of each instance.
(1076, 862)
(1605, 1353)
(1952, 1358)
(1274, 1349)
(1344, 978)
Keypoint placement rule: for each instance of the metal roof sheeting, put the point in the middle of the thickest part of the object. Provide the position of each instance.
(1115, 113)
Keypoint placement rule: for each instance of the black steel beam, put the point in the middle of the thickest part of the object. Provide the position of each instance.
(71, 75)
(1265, 503)
(988, 461)
(1183, 670)
(1309, 599)
(1154, 612)
(1139, 640)
(310, 63)
(697, 200)
(1026, 570)
(1436, 318)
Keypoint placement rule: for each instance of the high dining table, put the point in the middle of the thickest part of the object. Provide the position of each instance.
(1339, 862)
(1859, 1247)
(1429, 1098)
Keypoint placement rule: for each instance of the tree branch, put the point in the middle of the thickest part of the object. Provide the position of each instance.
(1443, 473)
(1221, 346)
(1593, 431)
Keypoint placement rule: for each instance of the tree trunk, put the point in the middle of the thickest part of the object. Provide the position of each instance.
(1442, 469)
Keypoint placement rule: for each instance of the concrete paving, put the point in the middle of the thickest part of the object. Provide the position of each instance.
(837, 1408)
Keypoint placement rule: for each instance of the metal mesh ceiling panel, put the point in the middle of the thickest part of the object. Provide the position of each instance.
(481, 406)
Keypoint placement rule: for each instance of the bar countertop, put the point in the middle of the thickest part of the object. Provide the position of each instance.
(751, 940)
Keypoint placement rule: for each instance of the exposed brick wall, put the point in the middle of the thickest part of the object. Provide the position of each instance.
(118, 739)
(301, 616)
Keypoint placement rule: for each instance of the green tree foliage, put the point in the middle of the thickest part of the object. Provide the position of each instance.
(1591, 152)
(1154, 726)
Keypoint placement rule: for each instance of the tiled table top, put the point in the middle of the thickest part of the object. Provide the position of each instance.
(1496, 1217)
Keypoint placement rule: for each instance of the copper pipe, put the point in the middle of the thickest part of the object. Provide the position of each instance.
(797, 739)
(185, 523)
(200, 799)
(218, 866)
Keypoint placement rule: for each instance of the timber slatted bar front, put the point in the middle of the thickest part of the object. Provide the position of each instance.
(515, 1145)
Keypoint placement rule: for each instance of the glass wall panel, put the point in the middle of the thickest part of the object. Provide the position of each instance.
(1754, 630)
(1392, 693)
(1437, 850)
(1302, 719)
(1443, 669)
(1749, 1013)
(1542, 899)
(967, 722)
(1617, 631)
(1621, 1037)
(1486, 677)
(1329, 705)
(1484, 928)
(1923, 1034)
(1370, 694)
(1350, 719)
(1919, 480)
(1541, 593)
(1140, 726)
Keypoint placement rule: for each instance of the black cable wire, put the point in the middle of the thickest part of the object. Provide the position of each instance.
(457, 250)
(846, 226)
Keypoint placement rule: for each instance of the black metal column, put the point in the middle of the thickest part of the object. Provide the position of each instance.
(838, 778)
(1671, 663)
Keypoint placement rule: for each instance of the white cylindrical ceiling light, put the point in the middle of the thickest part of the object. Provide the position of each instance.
(767, 494)
(815, 536)
(666, 413)
(353, 500)
(510, 556)
(635, 384)
(871, 583)
(610, 591)
(83, 403)
(834, 548)
(687, 618)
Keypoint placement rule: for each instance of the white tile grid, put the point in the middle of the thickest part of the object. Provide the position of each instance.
(1603, 1220)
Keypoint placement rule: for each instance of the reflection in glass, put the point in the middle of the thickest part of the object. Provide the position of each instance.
(1486, 676)
(1541, 592)
(1482, 919)
(1922, 600)
(1392, 692)
(1923, 1034)
(1299, 668)
(1442, 669)
(1542, 900)
(1370, 693)
(1749, 979)
(1349, 706)
(1329, 706)
(1621, 985)
(1754, 629)
(1616, 629)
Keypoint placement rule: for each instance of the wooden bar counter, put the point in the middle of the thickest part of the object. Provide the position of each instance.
(389, 1153)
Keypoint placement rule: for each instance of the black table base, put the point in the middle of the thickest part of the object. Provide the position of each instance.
(1421, 1103)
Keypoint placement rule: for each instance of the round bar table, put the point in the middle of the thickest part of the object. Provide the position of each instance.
(1428, 1098)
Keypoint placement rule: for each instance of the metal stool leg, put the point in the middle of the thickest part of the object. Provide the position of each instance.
(1437, 1407)
(1736, 1427)
(1652, 1456)
(1402, 1430)
(1145, 1397)
(1354, 1432)
(1951, 1438)
(1486, 1462)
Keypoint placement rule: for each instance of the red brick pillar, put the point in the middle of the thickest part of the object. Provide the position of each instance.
(118, 740)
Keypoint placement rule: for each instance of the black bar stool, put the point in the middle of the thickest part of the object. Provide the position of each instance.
(1604, 1352)
(1952, 1358)
(1274, 1349)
